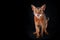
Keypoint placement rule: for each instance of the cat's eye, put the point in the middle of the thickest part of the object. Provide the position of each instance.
(40, 10)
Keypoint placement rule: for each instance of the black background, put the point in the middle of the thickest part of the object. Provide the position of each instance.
(24, 18)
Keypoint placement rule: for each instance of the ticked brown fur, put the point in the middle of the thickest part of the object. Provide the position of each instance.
(40, 21)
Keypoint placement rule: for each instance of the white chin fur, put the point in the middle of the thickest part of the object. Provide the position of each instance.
(35, 14)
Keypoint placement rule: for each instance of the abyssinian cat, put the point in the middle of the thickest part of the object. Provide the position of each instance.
(40, 20)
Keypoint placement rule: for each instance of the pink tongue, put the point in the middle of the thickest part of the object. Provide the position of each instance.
(37, 14)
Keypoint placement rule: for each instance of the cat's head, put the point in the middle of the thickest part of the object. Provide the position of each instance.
(38, 10)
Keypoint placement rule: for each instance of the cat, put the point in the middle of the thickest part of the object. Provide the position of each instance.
(40, 20)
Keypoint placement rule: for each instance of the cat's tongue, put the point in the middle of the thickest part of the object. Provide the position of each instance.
(38, 14)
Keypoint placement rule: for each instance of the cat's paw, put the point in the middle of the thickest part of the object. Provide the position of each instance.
(34, 33)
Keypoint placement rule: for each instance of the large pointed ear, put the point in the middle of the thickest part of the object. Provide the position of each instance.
(43, 7)
(33, 7)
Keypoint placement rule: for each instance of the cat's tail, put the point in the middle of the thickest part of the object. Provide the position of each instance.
(48, 19)
(47, 22)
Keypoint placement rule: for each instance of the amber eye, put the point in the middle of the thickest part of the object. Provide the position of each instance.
(36, 10)
(40, 10)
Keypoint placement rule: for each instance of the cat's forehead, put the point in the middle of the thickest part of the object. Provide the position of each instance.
(38, 8)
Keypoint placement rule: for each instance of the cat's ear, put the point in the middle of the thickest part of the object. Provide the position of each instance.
(43, 7)
(33, 7)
